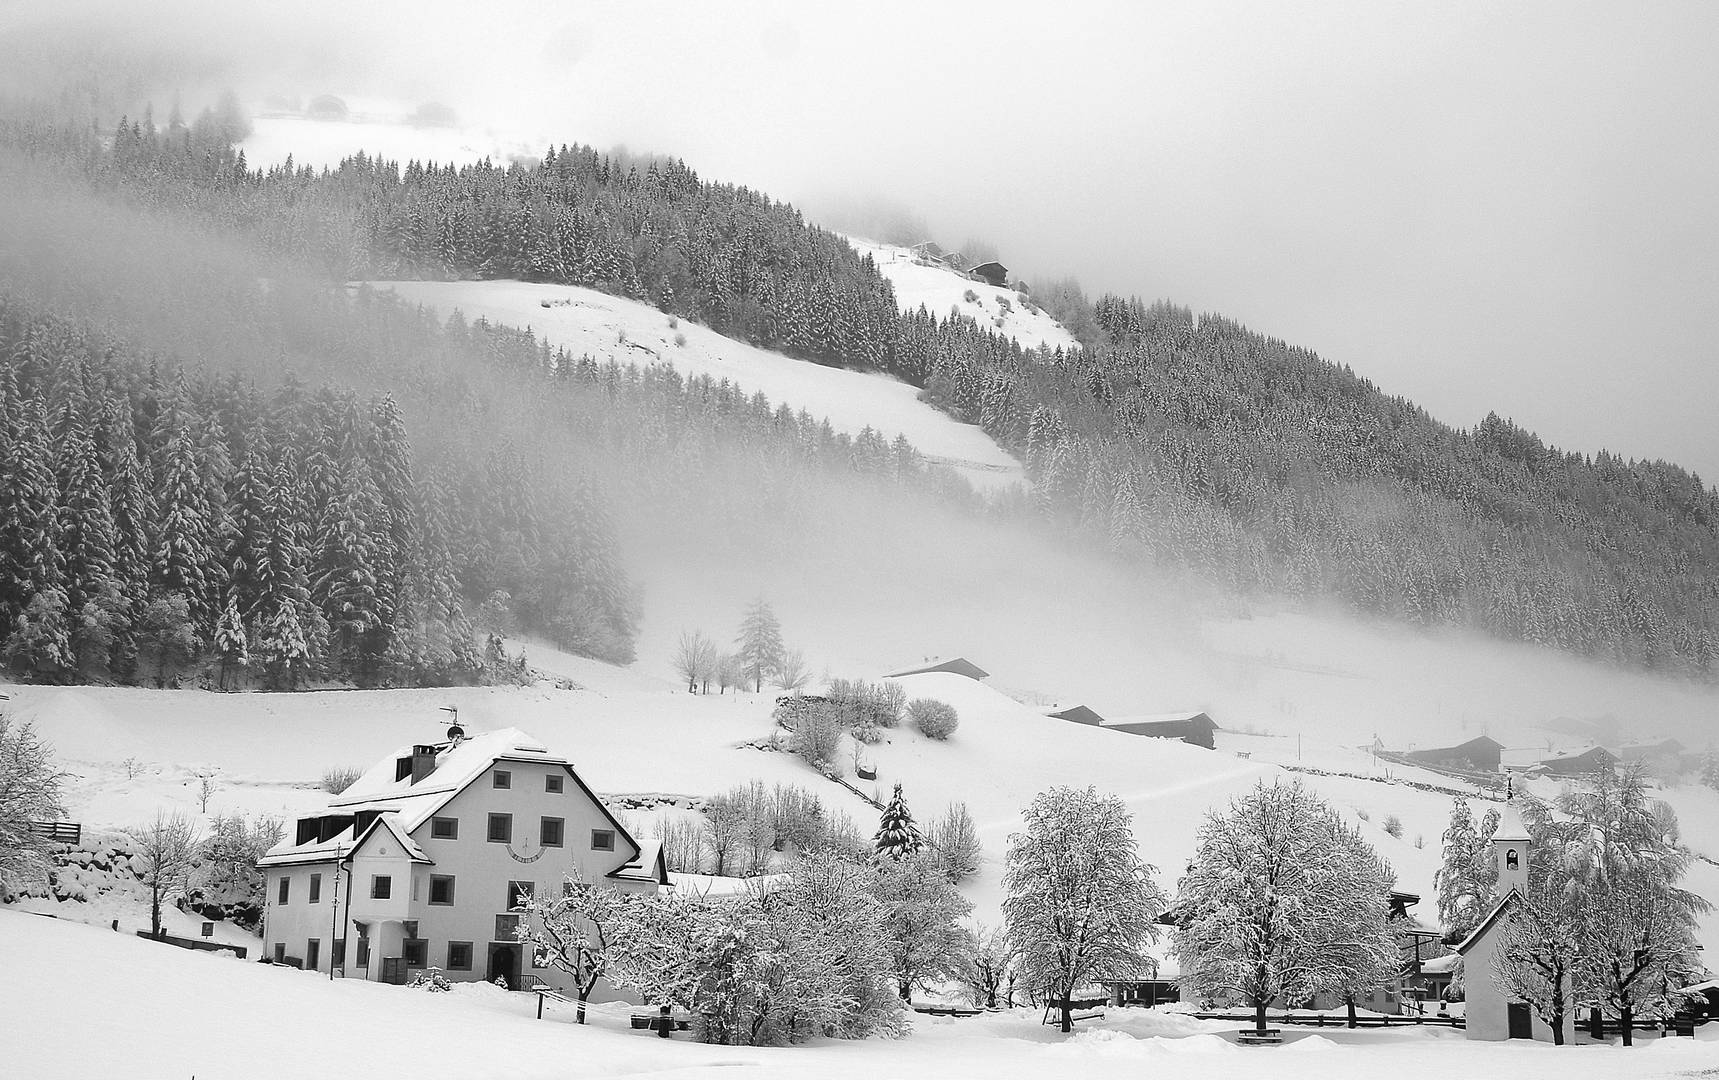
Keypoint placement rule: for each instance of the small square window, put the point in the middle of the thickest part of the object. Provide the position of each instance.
(502, 778)
(441, 889)
(315, 889)
(519, 893)
(445, 828)
(549, 835)
(602, 840)
(501, 828)
(286, 889)
(381, 887)
(506, 928)
(552, 783)
(459, 956)
(413, 949)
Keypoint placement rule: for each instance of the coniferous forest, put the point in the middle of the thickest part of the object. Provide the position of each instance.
(1168, 438)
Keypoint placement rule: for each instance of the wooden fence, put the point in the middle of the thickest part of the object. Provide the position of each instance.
(59, 832)
(1374, 1020)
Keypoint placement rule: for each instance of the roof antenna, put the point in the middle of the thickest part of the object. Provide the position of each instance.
(455, 731)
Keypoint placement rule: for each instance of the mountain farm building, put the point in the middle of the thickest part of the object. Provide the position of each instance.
(423, 860)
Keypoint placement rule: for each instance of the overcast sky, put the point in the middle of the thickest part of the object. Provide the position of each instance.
(1480, 206)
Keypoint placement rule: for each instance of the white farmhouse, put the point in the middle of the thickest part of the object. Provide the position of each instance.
(422, 861)
(1490, 1014)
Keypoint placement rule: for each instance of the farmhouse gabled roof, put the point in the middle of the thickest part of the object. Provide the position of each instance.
(343, 844)
(958, 665)
(1486, 924)
(406, 805)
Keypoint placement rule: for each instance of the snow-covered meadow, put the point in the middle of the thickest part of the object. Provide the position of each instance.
(237, 1019)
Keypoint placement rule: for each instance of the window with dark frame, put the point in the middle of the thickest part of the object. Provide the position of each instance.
(519, 893)
(381, 887)
(444, 828)
(501, 778)
(441, 889)
(459, 956)
(552, 783)
(413, 949)
(286, 889)
(550, 831)
(602, 840)
(312, 954)
(506, 928)
(501, 828)
(315, 889)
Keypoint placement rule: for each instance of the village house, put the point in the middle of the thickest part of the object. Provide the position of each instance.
(1586, 763)
(992, 273)
(1490, 1013)
(424, 860)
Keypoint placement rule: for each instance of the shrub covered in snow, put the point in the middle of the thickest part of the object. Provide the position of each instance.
(338, 778)
(432, 980)
(935, 719)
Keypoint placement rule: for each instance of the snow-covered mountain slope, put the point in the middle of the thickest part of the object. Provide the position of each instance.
(604, 326)
(265, 1022)
(918, 281)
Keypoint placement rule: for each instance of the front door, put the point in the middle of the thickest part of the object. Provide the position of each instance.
(1521, 1020)
(504, 964)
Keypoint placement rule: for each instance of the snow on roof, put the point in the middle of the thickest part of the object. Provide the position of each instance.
(957, 665)
(1510, 824)
(644, 866)
(344, 843)
(1439, 965)
(1157, 718)
(403, 805)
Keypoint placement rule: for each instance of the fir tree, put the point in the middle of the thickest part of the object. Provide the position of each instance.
(897, 836)
(759, 643)
(232, 649)
(184, 553)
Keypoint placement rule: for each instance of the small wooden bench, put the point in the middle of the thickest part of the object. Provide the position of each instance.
(1253, 1037)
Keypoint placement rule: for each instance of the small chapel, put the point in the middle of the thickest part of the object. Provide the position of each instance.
(1490, 1013)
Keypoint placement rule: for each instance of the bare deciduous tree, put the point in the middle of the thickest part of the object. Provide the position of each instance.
(162, 852)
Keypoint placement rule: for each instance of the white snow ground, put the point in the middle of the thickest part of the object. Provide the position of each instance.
(605, 327)
(939, 289)
(89, 1004)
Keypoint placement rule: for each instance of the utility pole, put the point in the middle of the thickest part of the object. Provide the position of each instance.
(334, 920)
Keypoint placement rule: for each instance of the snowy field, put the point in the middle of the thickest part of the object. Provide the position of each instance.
(631, 732)
(940, 289)
(585, 321)
(236, 1019)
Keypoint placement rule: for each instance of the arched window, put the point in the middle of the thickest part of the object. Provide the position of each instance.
(1510, 859)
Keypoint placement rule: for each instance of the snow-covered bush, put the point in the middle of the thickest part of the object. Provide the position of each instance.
(430, 979)
(1394, 826)
(777, 966)
(223, 881)
(338, 778)
(817, 735)
(934, 719)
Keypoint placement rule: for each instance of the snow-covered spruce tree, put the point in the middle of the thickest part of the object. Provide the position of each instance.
(232, 650)
(167, 636)
(29, 791)
(40, 644)
(955, 839)
(161, 854)
(1281, 900)
(897, 835)
(1081, 905)
(922, 913)
(759, 643)
(184, 547)
(573, 933)
(1623, 864)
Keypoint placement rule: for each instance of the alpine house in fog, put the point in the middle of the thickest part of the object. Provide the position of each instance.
(424, 860)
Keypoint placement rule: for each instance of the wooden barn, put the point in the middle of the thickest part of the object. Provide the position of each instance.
(1586, 763)
(1077, 714)
(1194, 728)
(1475, 755)
(991, 273)
(956, 665)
